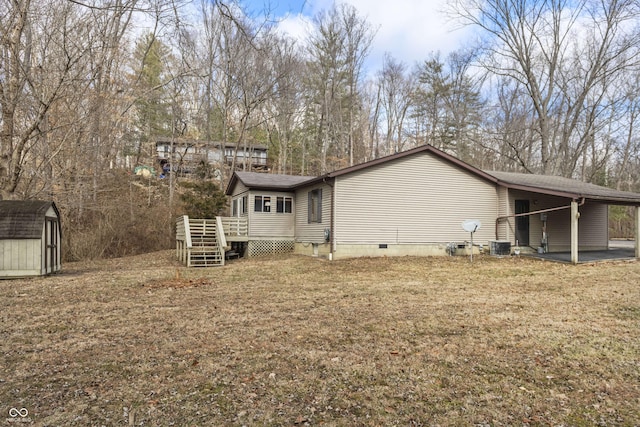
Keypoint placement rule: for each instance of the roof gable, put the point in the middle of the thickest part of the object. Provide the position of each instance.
(421, 149)
(545, 184)
(23, 219)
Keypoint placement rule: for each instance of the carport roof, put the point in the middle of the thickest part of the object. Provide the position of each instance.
(564, 187)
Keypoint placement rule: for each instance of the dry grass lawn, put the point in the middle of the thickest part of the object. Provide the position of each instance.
(303, 341)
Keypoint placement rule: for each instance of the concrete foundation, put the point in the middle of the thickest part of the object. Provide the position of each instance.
(344, 251)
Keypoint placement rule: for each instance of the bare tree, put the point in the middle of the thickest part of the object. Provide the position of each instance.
(337, 49)
(282, 112)
(626, 147)
(509, 134)
(33, 80)
(358, 38)
(395, 93)
(564, 54)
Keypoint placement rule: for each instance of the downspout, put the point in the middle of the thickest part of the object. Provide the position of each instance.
(331, 219)
(501, 218)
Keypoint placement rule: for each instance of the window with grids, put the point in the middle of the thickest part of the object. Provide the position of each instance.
(284, 204)
(239, 206)
(262, 204)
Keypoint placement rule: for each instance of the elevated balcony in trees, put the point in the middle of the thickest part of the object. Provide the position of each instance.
(187, 155)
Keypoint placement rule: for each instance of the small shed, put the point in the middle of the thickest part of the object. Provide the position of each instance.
(30, 237)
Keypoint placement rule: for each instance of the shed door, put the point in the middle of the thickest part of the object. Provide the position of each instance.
(52, 255)
(522, 223)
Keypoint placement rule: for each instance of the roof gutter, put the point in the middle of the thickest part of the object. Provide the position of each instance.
(538, 190)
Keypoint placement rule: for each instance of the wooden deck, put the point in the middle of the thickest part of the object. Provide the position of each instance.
(203, 242)
(235, 229)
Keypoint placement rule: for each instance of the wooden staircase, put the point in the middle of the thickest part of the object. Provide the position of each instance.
(200, 242)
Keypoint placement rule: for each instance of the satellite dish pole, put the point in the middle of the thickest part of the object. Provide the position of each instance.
(471, 226)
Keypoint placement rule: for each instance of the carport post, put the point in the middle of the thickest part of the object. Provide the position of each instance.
(637, 231)
(574, 231)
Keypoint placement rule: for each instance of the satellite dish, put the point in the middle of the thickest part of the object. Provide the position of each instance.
(471, 225)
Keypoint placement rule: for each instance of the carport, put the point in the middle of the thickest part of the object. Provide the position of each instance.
(616, 252)
(564, 195)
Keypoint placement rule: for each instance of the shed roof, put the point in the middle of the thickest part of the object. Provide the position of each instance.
(23, 219)
(564, 187)
(266, 181)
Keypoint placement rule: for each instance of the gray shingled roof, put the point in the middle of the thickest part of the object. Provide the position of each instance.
(257, 180)
(564, 187)
(544, 184)
(22, 219)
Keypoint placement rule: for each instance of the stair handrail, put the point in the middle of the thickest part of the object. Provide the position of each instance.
(220, 235)
(187, 232)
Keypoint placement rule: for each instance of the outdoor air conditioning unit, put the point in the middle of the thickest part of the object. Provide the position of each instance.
(500, 247)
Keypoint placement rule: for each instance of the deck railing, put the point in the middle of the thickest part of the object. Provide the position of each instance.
(183, 239)
(234, 226)
(200, 241)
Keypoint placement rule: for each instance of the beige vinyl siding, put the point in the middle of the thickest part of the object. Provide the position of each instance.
(536, 202)
(312, 232)
(592, 226)
(416, 199)
(505, 226)
(271, 224)
(558, 229)
(239, 189)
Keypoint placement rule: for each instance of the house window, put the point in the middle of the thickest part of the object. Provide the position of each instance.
(315, 206)
(262, 204)
(284, 204)
(239, 206)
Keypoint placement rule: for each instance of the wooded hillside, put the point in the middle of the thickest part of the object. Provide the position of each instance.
(88, 86)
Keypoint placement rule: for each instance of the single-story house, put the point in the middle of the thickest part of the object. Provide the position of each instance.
(30, 236)
(414, 202)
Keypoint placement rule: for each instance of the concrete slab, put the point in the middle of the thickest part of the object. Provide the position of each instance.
(618, 250)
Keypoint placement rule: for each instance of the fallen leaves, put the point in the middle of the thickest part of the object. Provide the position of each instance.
(297, 341)
(177, 283)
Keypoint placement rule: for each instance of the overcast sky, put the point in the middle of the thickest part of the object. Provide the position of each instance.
(408, 29)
